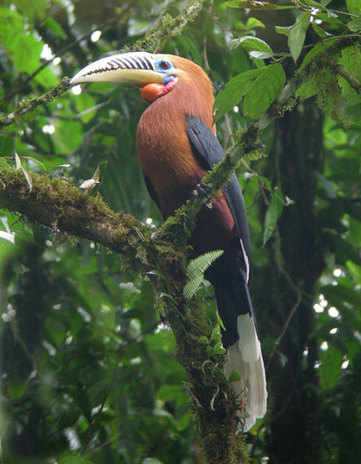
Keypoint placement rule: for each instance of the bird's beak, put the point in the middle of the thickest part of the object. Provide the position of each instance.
(135, 68)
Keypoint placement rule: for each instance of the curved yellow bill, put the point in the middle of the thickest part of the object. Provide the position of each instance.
(135, 68)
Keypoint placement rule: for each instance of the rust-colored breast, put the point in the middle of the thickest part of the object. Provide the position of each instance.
(166, 157)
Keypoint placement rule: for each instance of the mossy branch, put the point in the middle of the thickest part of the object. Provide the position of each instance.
(184, 219)
(354, 83)
(167, 27)
(28, 105)
(59, 205)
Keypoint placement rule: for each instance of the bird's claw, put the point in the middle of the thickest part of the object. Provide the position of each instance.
(204, 190)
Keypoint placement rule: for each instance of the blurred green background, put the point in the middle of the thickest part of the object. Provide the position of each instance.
(88, 370)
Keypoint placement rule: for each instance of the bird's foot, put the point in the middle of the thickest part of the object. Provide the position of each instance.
(204, 190)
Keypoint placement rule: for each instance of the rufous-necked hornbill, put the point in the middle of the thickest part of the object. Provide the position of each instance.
(177, 145)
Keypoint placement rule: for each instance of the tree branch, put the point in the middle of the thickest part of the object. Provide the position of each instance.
(354, 83)
(167, 27)
(29, 105)
(120, 17)
(57, 204)
(183, 220)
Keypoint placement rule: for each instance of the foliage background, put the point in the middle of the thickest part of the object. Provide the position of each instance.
(88, 369)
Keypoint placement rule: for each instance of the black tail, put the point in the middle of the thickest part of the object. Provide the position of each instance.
(241, 341)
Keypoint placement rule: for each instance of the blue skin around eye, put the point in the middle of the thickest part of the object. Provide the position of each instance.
(167, 79)
(159, 68)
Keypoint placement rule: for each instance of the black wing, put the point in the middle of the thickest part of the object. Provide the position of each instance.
(152, 193)
(208, 151)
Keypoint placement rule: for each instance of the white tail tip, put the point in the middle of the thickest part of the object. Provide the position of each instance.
(248, 362)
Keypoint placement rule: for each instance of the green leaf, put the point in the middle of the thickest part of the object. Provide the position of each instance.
(46, 78)
(307, 89)
(10, 237)
(339, 295)
(264, 90)
(251, 43)
(195, 272)
(73, 459)
(260, 55)
(355, 25)
(355, 270)
(354, 232)
(272, 215)
(16, 389)
(192, 286)
(354, 6)
(330, 20)
(34, 9)
(315, 51)
(330, 369)
(262, 6)
(199, 265)
(319, 31)
(68, 136)
(283, 30)
(24, 48)
(151, 461)
(234, 3)
(253, 23)
(18, 165)
(234, 90)
(234, 376)
(85, 104)
(174, 393)
(350, 60)
(260, 87)
(297, 35)
(55, 27)
(184, 421)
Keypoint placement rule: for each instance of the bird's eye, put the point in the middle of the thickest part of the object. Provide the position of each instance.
(164, 65)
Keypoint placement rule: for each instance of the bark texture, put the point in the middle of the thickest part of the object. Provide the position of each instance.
(296, 264)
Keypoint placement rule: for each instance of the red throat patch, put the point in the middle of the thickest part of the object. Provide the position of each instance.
(152, 91)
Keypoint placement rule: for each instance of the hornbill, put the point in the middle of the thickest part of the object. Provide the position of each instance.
(177, 145)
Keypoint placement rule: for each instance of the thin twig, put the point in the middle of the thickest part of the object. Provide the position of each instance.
(30, 105)
(149, 43)
(62, 51)
(286, 325)
(354, 83)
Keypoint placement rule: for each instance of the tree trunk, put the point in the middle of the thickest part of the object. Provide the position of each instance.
(286, 304)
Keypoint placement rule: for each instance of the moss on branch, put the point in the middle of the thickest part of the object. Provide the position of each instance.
(60, 205)
(168, 27)
(28, 105)
(181, 224)
(57, 204)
